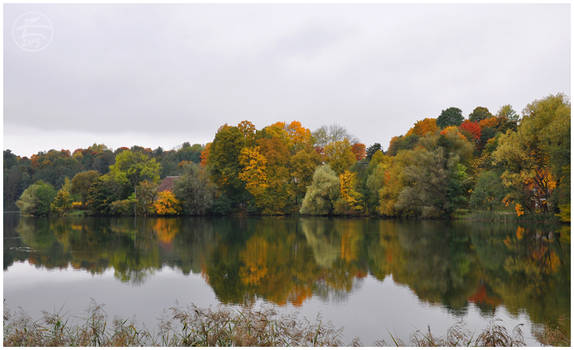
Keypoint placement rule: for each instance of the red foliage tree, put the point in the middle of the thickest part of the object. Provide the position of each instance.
(471, 127)
(359, 150)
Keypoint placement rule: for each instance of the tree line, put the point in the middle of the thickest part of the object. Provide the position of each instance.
(503, 162)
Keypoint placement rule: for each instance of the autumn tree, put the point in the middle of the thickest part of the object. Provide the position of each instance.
(491, 122)
(254, 173)
(248, 130)
(359, 151)
(393, 182)
(62, 203)
(276, 145)
(302, 166)
(423, 127)
(339, 155)
(205, 154)
(472, 128)
(167, 204)
(350, 202)
(449, 116)
(536, 157)
(375, 179)
(299, 137)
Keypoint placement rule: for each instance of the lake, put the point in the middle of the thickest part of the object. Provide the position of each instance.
(370, 276)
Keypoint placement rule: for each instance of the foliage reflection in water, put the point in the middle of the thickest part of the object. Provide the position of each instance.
(287, 260)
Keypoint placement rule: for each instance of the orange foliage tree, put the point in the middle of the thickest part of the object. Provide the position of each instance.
(423, 127)
(359, 150)
(167, 204)
(205, 154)
(489, 122)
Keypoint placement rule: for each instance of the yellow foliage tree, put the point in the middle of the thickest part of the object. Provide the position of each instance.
(340, 155)
(254, 172)
(350, 201)
(167, 204)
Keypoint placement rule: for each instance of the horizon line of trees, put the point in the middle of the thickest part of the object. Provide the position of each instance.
(494, 162)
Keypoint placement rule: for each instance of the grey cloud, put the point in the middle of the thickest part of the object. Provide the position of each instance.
(183, 70)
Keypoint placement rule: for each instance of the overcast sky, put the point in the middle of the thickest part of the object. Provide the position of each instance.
(160, 75)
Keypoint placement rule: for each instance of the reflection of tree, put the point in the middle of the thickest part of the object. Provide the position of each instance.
(255, 260)
(318, 234)
(276, 263)
(288, 260)
(166, 230)
(531, 269)
(437, 263)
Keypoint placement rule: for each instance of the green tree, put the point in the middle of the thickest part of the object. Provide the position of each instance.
(145, 195)
(425, 191)
(54, 166)
(488, 191)
(399, 143)
(507, 112)
(195, 191)
(449, 116)
(434, 177)
(81, 183)
(223, 162)
(133, 167)
(17, 176)
(373, 149)
(322, 194)
(479, 113)
(36, 199)
(103, 192)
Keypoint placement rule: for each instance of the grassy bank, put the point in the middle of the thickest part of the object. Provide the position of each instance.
(227, 326)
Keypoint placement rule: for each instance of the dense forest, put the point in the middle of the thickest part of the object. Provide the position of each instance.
(502, 163)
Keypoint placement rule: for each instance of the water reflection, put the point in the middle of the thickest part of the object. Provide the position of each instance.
(287, 260)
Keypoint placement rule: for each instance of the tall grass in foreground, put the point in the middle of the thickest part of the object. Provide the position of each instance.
(191, 326)
(224, 326)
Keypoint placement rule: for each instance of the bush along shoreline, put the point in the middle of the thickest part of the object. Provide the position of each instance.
(481, 166)
(235, 326)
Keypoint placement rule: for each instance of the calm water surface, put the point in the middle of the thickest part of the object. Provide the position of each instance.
(369, 276)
